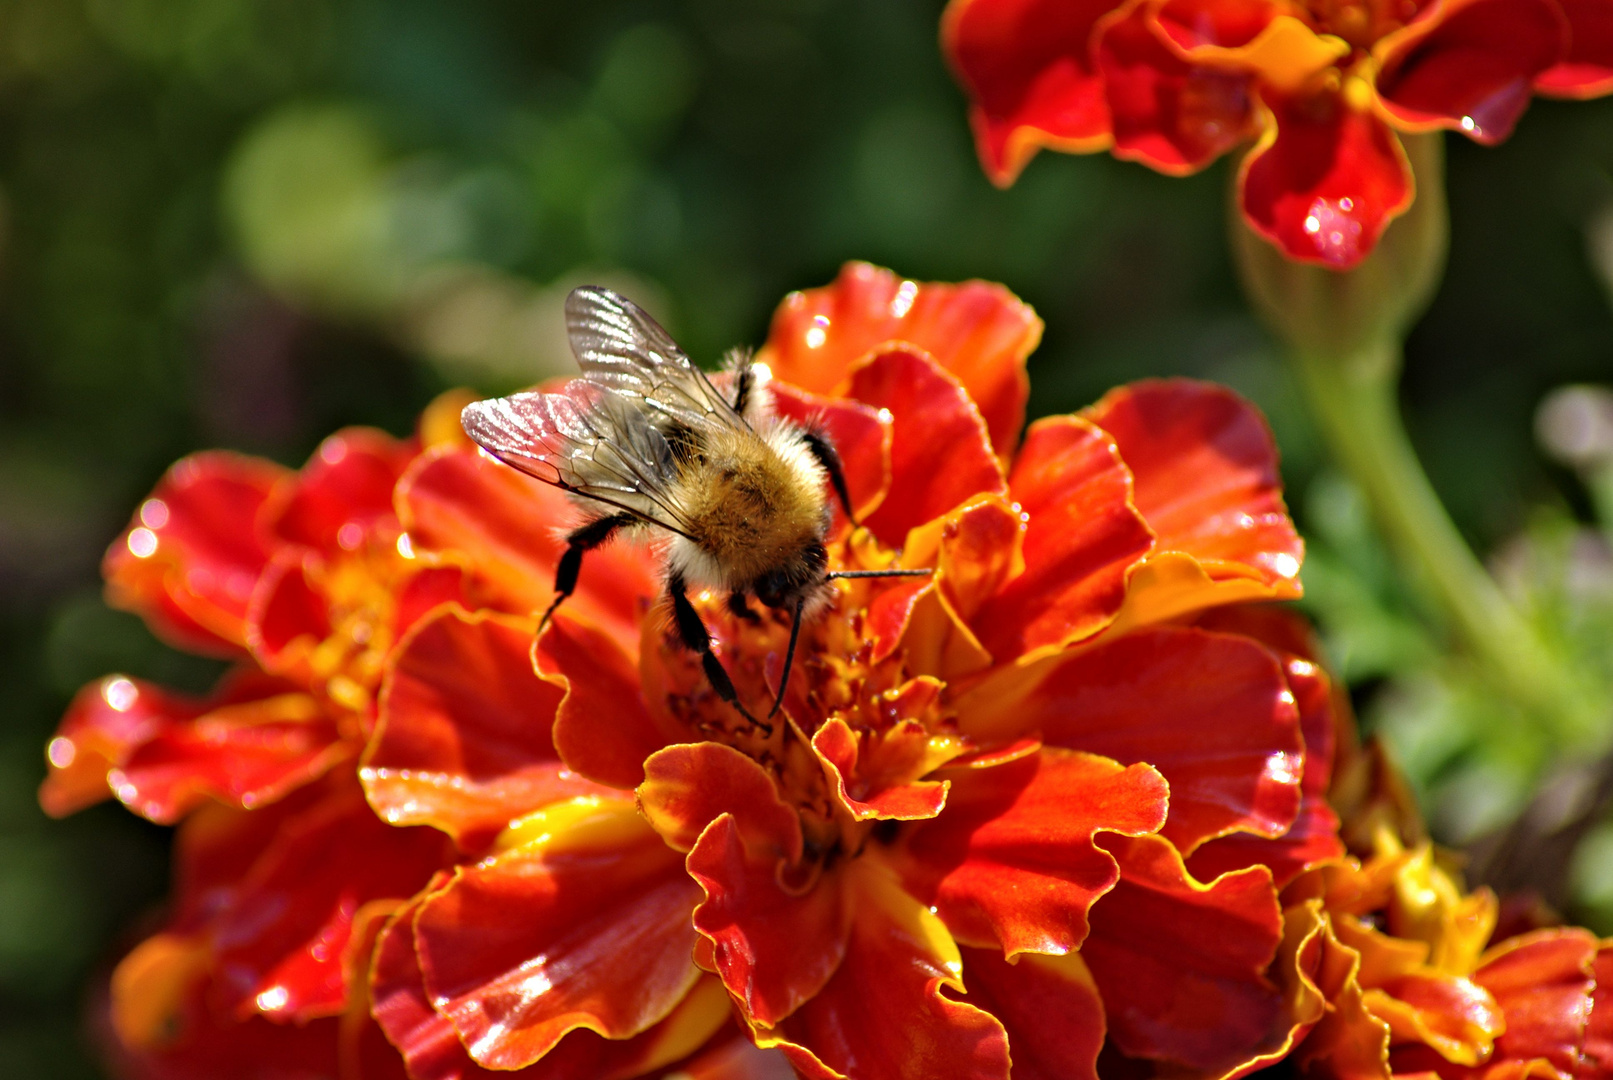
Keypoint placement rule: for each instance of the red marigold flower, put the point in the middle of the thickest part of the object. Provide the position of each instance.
(1321, 88)
(982, 807)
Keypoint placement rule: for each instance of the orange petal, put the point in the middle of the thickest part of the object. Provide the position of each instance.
(463, 740)
(1212, 712)
(1544, 985)
(873, 774)
(1454, 1015)
(342, 491)
(584, 926)
(1012, 861)
(1027, 67)
(1205, 473)
(977, 331)
(1049, 1006)
(1181, 964)
(188, 561)
(462, 507)
(940, 452)
(1598, 1048)
(1081, 536)
(688, 787)
(861, 436)
(907, 1030)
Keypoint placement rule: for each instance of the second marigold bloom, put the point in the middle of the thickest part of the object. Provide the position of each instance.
(1320, 86)
(980, 829)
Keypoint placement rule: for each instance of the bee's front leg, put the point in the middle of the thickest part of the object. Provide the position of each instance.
(694, 635)
(740, 606)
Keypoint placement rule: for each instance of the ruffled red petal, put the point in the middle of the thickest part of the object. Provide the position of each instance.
(1597, 1063)
(1027, 66)
(1325, 180)
(1049, 1006)
(1544, 985)
(861, 437)
(1472, 68)
(431, 1049)
(1172, 115)
(908, 1029)
(602, 730)
(940, 451)
(464, 742)
(280, 942)
(1012, 861)
(342, 492)
(871, 773)
(977, 331)
(1082, 534)
(1181, 964)
(506, 529)
(587, 926)
(1204, 468)
(189, 560)
(1587, 70)
(1211, 712)
(162, 754)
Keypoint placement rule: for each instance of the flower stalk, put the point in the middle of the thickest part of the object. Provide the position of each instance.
(1343, 331)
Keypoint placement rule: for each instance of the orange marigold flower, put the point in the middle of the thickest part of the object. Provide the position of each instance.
(1321, 87)
(974, 832)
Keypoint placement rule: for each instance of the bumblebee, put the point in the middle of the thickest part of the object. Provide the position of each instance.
(647, 446)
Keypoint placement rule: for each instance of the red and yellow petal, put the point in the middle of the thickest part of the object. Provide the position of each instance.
(1172, 115)
(909, 1029)
(1082, 534)
(1049, 1006)
(1473, 67)
(941, 453)
(581, 922)
(341, 493)
(1012, 861)
(190, 558)
(1027, 66)
(1211, 712)
(1545, 986)
(1181, 964)
(1326, 178)
(1586, 70)
(162, 755)
(861, 437)
(977, 331)
(873, 775)
(463, 742)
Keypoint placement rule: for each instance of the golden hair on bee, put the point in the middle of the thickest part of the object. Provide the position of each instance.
(645, 443)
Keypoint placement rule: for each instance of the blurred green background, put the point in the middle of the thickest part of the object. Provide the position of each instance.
(243, 223)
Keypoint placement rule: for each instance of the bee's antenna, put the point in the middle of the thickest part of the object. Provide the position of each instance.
(789, 657)
(877, 573)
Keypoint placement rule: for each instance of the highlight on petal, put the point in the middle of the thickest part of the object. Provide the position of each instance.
(1326, 178)
(1543, 982)
(341, 493)
(1082, 533)
(1027, 66)
(977, 331)
(940, 451)
(1012, 862)
(463, 741)
(580, 921)
(250, 742)
(1473, 69)
(1587, 69)
(1181, 964)
(461, 507)
(1204, 468)
(1168, 113)
(189, 560)
(1211, 712)
(909, 1030)
(1049, 1006)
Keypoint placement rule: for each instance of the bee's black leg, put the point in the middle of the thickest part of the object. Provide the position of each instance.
(744, 383)
(581, 540)
(741, 607)
(697, 639)
(789, 656)
(829, 458)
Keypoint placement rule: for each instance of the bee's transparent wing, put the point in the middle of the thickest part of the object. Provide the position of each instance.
(620, 347)
(586, 440)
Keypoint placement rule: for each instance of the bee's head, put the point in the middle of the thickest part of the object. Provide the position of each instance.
(794, 578)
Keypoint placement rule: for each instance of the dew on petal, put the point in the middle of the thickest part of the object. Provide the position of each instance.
(120, 693)
(1336, 234)
(405, 548)
(154, 513)
(902, 302)
(350, 536)
(61, 751)
(333, 449)
(142, 543)
(273, 999)
(1285, 564)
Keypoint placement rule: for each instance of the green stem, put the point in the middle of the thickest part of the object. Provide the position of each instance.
(1355, 402)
